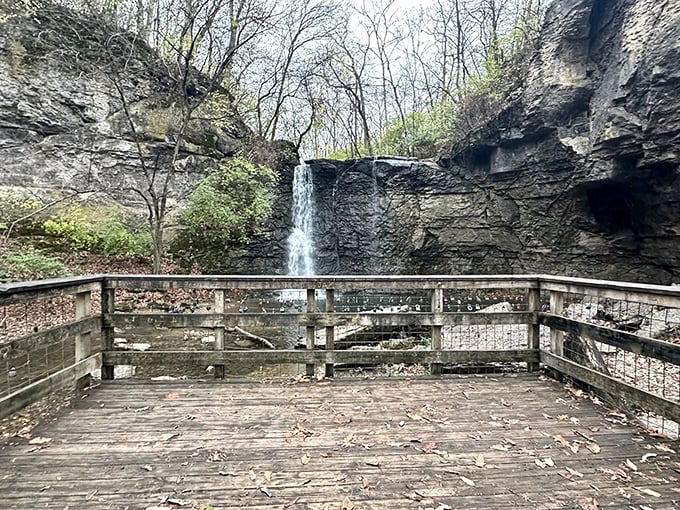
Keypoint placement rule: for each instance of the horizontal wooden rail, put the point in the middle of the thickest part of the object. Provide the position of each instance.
(47, 337)
(632, 395)
(650, 347)
(660, 295)
(22, 292)
(379, 319)
(360, 282)
(205, 358)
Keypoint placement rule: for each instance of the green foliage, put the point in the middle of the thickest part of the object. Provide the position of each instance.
(425, 132)
(113, 238)
(227, 207)
(16, 206)
(96, 231)
(30, 265)
(70, 230)
(232, 202)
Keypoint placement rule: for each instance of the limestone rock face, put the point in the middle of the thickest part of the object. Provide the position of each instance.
(579, 177)
(64, 128)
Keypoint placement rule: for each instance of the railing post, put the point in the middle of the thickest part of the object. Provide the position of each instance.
(311, 308)
(556, 336)
(219, 330)
(533, 328)
(108, 307)
(437, 308)
(330, 331)
(83, 310)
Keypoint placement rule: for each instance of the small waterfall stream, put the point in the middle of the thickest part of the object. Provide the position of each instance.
(300, 241)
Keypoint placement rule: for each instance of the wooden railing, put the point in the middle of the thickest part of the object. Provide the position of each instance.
(518, 321)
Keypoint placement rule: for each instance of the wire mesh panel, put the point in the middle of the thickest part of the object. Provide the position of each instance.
(626, 340)
(32, 345)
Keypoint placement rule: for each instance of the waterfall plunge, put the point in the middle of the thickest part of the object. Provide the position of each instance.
(300, 244)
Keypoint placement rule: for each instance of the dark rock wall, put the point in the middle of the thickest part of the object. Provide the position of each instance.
(577, 178)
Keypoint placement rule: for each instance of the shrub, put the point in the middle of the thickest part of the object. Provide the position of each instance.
(232, 202)
(98, 231)
(31, 265)
(228, 207)
(70, 230)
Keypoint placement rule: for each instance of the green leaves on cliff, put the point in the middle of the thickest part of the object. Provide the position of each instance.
(97, 231)
(231, 203)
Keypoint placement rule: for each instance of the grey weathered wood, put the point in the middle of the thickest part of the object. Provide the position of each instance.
(631, 394)
(219, 330)
(330, 330)
(108, 297)
(658, 349)
(378, 319)
(533, 329)
(436, 331)
(50, 384)
(205, 358)
(273, 282)
(102, 449)
(556, 336)
(22, 292)
(310, 329)
(83, 310)
(320, 320)
(32, 341)
(165, 320)
(636, 292)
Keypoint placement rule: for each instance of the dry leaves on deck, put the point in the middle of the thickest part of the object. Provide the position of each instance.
(347, 504)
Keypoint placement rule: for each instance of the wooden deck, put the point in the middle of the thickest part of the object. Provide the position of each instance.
(468, 442)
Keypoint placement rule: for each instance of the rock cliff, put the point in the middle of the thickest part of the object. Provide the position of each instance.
(62, 121)
(578, 177)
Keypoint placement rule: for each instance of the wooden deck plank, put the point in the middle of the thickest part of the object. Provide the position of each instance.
(385, 443)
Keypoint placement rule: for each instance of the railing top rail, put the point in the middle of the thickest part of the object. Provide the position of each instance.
(22, 290)
(273, 282)
(666, 295)
(25, 291)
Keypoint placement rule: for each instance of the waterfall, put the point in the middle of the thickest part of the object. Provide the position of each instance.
(300, 244)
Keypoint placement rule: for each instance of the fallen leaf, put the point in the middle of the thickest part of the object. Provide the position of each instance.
(172, 396)
(562, 442)
(347, 504)
(268, 476)
(664, 448)
(588, 504)
(40, 440)
(593, 447)
(467, 481)
(630, 464)
(305, 459)
(430, 447)
(649, 492)
(176, 501)
(573, 472)
(479, 460)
